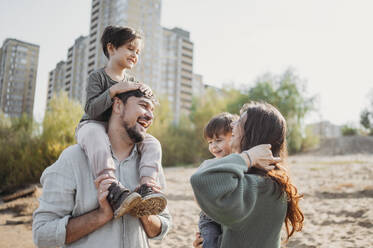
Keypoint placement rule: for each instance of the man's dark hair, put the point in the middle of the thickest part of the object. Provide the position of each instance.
(137, 93)
(124, 97)
(117, 36)
(219, 124)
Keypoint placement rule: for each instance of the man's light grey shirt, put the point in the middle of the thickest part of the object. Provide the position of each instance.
(69, 191)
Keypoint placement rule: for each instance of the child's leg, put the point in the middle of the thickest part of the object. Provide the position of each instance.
(151, 157)
(92, 137)
(153, 202)
(210, 231)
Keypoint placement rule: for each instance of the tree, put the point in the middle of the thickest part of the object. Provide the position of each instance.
(348, 130)
(60, 121)
(20, 153)
(366, 116)
(25, 153)
(366, 120)
(287, 92)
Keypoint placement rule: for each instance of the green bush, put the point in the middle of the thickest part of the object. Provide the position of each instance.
(21, 152)
(60, 121)
(348, 130)
(25, 153)
(310, 140)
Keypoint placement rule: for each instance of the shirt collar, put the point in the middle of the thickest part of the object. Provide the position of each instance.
(132, 155)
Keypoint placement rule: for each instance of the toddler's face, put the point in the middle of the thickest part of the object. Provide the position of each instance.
(127, 55)
(219, 145)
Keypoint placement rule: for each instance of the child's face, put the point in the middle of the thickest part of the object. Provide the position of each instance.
(219, 145)
(127, 55)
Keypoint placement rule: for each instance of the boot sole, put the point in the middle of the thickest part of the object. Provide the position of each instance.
(127, 205)
(153, 204)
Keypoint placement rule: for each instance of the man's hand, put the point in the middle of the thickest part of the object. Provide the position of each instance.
(151, 183)
(260, 156)
(152, 225)
(146, 180)
(197, 243)
(80, 226)
(122, 87)
(103, 183)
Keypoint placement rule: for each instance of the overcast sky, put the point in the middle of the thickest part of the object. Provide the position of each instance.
(329, 43)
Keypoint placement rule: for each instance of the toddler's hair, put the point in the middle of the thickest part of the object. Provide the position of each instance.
(118, 36)
(219, 124)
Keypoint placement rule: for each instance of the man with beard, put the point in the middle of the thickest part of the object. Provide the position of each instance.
(70, 214)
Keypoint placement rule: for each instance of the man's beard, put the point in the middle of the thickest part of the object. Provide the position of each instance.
(133, 134)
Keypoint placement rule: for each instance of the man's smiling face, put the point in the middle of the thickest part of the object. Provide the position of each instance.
(136, 116)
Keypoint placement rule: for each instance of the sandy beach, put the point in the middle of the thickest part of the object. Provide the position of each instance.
(338, 200)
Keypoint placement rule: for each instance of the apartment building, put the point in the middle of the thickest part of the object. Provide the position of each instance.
(76, 71)
(177, 70)
(18, 69)
(71, 75)
(197, 85)
(56, 80)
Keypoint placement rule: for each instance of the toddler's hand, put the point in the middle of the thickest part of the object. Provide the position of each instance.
(145, 89)
(123, 87)
(197, 243)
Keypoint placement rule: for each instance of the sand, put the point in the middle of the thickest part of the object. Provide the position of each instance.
(338, 200)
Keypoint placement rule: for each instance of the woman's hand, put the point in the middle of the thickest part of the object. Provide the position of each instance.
(260, 156)
(197, 243)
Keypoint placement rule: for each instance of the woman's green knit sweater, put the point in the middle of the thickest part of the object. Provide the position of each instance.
(250, 208)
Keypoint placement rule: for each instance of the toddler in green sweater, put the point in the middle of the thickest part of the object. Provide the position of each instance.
(218, 133)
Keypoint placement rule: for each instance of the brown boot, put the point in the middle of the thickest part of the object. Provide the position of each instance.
(121, 199)
(152, 202)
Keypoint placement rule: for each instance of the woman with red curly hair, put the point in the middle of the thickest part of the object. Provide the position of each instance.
(250, 203)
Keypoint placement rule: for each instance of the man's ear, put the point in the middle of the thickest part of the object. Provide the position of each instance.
(117, 105)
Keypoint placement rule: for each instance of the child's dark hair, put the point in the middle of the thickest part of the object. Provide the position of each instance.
(219, 124)
(117, 36)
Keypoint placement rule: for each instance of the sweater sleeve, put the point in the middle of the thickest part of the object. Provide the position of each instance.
(98, 98)
(223, 190)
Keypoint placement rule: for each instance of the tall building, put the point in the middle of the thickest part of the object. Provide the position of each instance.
(143, 15)
(56, 80)
(18, 68)
(76, 71)
(177, 70)
(71, 76)
(198, 86)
